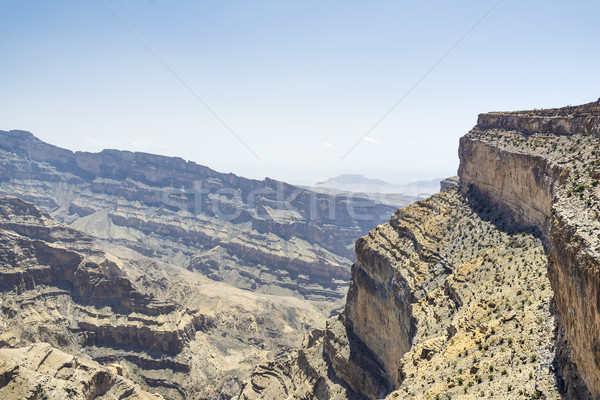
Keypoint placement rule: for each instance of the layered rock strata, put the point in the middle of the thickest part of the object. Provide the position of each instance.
(165, 328)
(563, 173)
(266, 236)
(41, 371)
(485, 292)
(37, 251)
(445, 300)
(583, 119)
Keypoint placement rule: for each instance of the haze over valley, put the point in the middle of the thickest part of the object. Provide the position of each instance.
(299, 200)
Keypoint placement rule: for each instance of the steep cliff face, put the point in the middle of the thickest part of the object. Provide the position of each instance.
(445, 299)
(266, 236)
(583, 119)
(574, 266)
(552, 184)
(490, 291)
(522, 182)
(57, 286)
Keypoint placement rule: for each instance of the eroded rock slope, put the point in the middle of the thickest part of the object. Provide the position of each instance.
(125, 319)
(41, 371)
(442, 302)
(486, 291)
(266, 236)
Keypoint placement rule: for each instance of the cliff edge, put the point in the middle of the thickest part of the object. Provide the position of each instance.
(488, 290)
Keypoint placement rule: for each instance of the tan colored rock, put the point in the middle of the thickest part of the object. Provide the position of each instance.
(41, 371)
(168, 329)
(272, 237)
(451, 296)
(549, 181)
(523, 183)
(583, 119)
(454, 262)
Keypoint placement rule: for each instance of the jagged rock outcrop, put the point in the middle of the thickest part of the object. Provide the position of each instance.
(451, 296)
(36, 250)
(445, 299)
(41, 371)
(522, 182)
(58, 286)
(583, 119)
(165, 328)
(266, 236)
(488, 290)
(448, 183)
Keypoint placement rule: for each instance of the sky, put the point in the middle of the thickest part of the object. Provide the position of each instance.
(292, 90)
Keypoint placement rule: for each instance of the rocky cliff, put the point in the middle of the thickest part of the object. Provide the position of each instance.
(485, 291)
(266, 236)
(183, 277)
(444, 300)
(40, 371)
(560, 188)
(113, 320)
(37, 252)
(583, 119)
(488, 289)
(57, 286)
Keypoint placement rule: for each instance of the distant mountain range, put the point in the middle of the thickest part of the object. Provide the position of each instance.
(362, 184)
(159, 258)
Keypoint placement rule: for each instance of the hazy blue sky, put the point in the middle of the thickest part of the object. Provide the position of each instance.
(300, 82)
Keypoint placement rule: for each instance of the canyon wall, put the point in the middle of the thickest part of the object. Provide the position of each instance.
(266, 236)
(31, 373)
(438, 303)
(523, 183)
(37, 252)
(575, 276)
(509, 261)
(582, 119)
(542, 166)
(183, 276)
(167, 329)
(485, 290)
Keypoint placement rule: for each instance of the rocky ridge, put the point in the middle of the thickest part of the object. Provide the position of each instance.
(163, 328)
(488, 291)
(433, 310)
(265, 236)
(41, 371)
(564, 170)
(58, 287)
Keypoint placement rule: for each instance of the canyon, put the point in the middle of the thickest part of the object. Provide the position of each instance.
(130, 275)
(266, 236)
(177, 276)
(488, 289)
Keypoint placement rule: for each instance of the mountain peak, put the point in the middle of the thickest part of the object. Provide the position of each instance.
(353, 179)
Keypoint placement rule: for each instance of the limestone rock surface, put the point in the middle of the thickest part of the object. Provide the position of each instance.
(41, 371)
(488, 290)
(169, 330)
